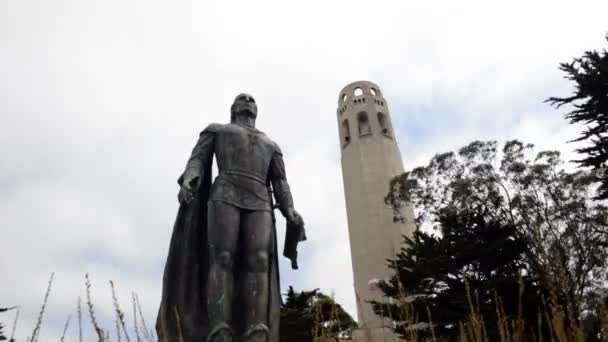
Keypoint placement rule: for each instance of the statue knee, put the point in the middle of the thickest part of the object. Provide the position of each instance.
(224, 259)
(258, 262)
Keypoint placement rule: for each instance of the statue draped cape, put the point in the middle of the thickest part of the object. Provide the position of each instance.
(182, 316)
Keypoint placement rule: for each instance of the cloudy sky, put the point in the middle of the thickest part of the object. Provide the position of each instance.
(102, 101)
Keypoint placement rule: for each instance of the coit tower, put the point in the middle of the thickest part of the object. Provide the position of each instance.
(370, 159)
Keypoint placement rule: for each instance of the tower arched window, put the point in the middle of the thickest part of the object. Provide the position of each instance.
(358, 92)
(345, 133)
(385, 125)
(364, 126)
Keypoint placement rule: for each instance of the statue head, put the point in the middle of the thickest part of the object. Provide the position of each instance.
(244, 105)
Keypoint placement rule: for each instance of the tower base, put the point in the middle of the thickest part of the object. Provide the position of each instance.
(374, 335)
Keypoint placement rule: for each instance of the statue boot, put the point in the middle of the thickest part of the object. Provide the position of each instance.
(256, 333)
(220, 333)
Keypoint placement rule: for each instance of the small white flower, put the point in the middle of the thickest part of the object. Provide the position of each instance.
(373, 284)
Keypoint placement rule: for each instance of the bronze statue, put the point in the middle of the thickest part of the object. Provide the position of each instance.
(221, 280)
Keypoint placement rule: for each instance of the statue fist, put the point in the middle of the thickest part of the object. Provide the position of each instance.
(191, 184)
(189, 188)
(294, 217)
(184, 197)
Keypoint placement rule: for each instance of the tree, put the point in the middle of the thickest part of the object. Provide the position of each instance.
(531, 196)
(590, 107)
(296, 317)
(308, 315)
(474, 256)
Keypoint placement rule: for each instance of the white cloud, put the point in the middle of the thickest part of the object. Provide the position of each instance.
(102, 101)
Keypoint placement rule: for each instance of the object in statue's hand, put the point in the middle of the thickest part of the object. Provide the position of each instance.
(294, 234)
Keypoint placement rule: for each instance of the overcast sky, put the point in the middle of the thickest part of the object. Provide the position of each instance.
(101, 103)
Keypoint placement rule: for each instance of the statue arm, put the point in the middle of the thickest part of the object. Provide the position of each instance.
(280, 187)
(201, 157)
(295, 223)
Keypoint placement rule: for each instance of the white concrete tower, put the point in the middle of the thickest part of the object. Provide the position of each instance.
(370, 159)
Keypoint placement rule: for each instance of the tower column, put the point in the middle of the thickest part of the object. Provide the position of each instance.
(370, 159)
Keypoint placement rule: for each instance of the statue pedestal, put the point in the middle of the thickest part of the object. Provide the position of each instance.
(374, 335)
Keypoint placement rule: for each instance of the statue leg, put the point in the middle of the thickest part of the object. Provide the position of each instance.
(256, 234)
(223, 232)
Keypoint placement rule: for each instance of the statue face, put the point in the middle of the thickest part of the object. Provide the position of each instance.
(244, 104)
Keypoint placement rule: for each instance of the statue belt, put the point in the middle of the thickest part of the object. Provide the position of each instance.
(242, 190)
(244, 174)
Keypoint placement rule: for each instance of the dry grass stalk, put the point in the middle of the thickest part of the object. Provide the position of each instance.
(539, 320)
(147, 333)
(547, 319)
(511, 330)
(8, 309)
(117, 329)
(560, 318)
(474, 325)
(119, 313)
(563, 325)
(79, 321)
(36, 332)
(428, 311)
(604, 321)
(503, 327)
(101, 336)
(408, 317)
(12, 338)
(135, 324)
(520, 325)
(65, 328)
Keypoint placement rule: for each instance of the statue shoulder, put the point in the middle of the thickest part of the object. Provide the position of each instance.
(269, 142)
(212, 128)
(274, 145)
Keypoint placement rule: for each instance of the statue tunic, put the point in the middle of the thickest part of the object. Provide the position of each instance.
(248, 161)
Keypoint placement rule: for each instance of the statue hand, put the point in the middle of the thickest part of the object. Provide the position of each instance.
(294, 217)
(184, 197)
(191, 183)
(189, 188)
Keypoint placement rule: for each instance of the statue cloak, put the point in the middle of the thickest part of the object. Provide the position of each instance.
(182, 316)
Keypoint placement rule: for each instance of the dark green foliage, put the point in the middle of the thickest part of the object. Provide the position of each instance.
(310, 313)
(472, 250)
(296, 317)
(501, 213)
(590, 108)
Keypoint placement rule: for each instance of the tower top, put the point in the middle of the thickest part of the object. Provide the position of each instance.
(359, 88)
